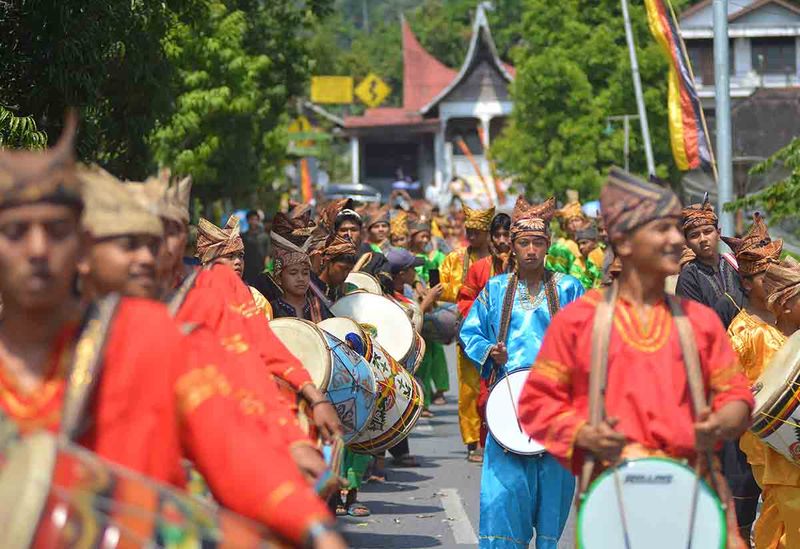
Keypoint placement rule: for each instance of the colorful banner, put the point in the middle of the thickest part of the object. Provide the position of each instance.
(687, 126)
(306, 189)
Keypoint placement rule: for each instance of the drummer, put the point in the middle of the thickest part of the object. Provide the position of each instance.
(520, 494)
(453, 274)
(349, 224)
(643, 222)
(293, 274)
(377, 226)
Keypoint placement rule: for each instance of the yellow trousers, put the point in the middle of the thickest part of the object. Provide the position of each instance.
(778, 525)
(469, 386)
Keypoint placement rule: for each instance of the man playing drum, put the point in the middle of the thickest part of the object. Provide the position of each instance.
(453, 273)
(646, 402)
(501, 335)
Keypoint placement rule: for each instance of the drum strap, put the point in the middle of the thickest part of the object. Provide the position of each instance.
(362, 262)
(598, 374)
(691, 358)
(86, 364)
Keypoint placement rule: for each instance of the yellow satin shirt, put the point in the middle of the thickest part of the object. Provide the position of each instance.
(756, 342)
(261, 302)
(452, 273)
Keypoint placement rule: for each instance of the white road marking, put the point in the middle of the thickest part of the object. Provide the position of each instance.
(424, 428)
(457, 517)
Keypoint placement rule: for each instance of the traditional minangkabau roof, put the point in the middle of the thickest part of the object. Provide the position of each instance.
(424, 76)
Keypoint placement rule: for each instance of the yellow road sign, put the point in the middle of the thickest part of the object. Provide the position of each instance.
(372, 90)
(332, 89)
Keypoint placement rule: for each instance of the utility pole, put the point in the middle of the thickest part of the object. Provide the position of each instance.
(365, 15)
(723, 115)
(637, 88)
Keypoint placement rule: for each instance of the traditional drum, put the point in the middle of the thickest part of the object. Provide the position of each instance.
(335, 368)
(441, 324)
(387, 323)
(502, 417)
(399, 402)
(359, 280)
(776, 414)
(650, 502)
(55, 494)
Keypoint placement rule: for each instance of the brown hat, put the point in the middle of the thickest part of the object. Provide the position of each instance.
(338, 246)
(698, 215)
(781, 283)
(175, 205)
(755, 250)
(214, 242)
(41, 176)
(111, 207)
(532, 219)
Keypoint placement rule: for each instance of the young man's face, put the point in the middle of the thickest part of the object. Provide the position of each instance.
(296, 279)
(379, 232)
(40, 245)
(124, 264)
(175, 236)
(419, 241)
(477, 238)
(754, 287)
(501, 238)
(704, 242)
(573, 224)
(338, 271)
(235, 261)
(586, 246)
(654, 248)
(352, 230)
(400, 241)
(253, 222)
(530, 251)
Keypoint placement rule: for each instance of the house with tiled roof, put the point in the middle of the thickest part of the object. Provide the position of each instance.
(447, 120)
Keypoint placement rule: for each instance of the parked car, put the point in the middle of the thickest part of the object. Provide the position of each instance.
(361, 194)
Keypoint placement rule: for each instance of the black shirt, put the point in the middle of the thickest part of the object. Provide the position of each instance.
(707, 285)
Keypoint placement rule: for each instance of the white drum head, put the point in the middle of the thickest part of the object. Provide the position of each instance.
(501, 415)
(305, 341)
(657, 496)
(358, 280)
(339, 327)
(778, 376)
(380, 317)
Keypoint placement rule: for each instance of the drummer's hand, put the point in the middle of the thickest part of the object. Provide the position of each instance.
(603, 441)
(431, 297)
(309, 460)
(499, 354)
(327, 421)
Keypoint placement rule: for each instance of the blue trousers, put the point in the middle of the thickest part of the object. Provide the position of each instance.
(520, 494)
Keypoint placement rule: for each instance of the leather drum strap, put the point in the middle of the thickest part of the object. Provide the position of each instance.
(505, 316)
(598, 374)
(691, 357)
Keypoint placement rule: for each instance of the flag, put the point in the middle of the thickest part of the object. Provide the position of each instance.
(306, 190)
(687, 126)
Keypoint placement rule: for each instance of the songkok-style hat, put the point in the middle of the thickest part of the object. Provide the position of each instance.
(398, 226)
(287, 254)
(479, 220)
(698, 215)
(418, 224)
(586, 232)
(627, 203)
(214, 242)
(781, 283)
(532, 219)
(338, 246)
(111, 207)
(570, 211)
(176, 199)
(377, 215)
(755, 250)
(41, 176)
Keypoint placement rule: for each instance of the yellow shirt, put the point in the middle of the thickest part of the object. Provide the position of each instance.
(597, 257)
(261, 302)
(451, 273)
(756, 342)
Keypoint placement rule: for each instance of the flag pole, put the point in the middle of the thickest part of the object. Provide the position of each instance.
(723, 114)
(637, 88)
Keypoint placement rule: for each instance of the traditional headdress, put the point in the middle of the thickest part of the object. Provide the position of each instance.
(755, 250)
(627, 203)
(532, 219)
(587, 232)
(377, 215)
(111, 207)
(176, 199)
(398, 226)
(570, 210)
(214, 242)
(338, 246)
(479, 220)
(286, 254)
(698, 215)
(41, 176)
(781, 283)
(418, 224)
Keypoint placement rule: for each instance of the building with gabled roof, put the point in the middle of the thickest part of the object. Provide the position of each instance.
(447, 120)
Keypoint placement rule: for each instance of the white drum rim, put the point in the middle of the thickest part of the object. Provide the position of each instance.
(489, 423)
(790, 348)
(373, 286)
(290, 322)
(610, 471)
(399, 342)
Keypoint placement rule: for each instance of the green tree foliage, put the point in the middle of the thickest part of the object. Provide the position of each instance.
(238, 65)
(573, 71)
(19, 132)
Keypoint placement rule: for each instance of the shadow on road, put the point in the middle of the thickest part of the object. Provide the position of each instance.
(393, 508)
(400, 541)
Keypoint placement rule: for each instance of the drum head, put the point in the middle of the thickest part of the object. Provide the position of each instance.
(501, 415)
(305, 341)
(380, 317)
(778, 377)
(657, 496)
(358, 280)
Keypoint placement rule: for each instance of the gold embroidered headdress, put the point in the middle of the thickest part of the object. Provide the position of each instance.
(214, 242)
(479, 220)
(532, 219)
(698, 215)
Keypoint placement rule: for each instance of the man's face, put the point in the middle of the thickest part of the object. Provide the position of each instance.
(586, 246)
(352, 230)
(175, 236)
(253, 223)
(704, 242)
(378, 232)
(407, 276)
(234, 260)
(40, 247)
(419, 241)
(477, 238)
(501, 239)
(754, 286)
(654, 248)
(573, 224)
(124, 264)
(400, 241)
(338, 271)
(296, 279)
(531, 251)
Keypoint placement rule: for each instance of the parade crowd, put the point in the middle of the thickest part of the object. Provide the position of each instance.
(162, 382)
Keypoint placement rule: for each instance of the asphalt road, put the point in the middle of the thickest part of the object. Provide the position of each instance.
(435, 504)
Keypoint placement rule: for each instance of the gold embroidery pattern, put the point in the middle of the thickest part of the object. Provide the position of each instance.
(26, 407)
(235, 344)
(279, 494)
(647, 338)
(195, 387)
(247, 310)
(249, 403)
(552, 370)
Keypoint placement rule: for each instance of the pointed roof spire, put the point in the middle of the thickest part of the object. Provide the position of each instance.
(423, 75)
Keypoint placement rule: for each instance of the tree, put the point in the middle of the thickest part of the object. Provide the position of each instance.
(573, 71)
(19, 132)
